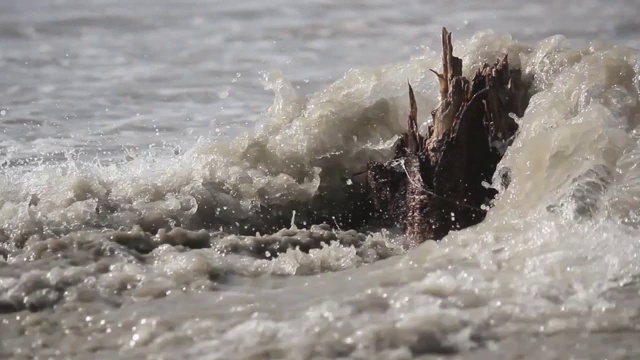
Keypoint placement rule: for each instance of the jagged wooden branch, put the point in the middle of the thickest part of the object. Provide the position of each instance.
(435, 183)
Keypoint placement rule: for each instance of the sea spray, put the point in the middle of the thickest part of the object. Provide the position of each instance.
(150, 274)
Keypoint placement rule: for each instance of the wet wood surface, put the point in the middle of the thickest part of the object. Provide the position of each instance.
(437, 182)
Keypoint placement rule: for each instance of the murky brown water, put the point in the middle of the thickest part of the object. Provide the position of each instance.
(119, 119)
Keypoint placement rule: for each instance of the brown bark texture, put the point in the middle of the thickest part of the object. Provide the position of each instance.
(438, 182)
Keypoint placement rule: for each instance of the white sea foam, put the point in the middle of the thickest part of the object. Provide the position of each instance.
(557, 253)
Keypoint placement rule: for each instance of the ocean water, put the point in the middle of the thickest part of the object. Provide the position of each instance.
(176, 175)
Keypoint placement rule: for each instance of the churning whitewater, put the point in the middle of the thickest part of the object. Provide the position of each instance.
(216, 251)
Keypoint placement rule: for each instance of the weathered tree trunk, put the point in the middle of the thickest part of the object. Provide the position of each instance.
(437, 183)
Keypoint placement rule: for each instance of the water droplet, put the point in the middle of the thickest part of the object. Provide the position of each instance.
(3, 112)
(223, 94)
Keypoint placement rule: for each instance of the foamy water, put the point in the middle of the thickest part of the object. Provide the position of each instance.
(143, 217)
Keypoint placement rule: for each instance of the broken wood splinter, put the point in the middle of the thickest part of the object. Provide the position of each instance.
(438, 186)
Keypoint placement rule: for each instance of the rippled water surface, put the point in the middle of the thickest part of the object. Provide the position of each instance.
(176, 180)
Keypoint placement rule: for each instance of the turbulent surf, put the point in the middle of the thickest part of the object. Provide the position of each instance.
(252, 247)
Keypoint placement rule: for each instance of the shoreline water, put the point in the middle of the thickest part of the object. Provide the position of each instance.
(555, 262)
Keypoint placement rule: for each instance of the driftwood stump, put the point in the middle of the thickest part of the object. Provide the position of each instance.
(440, 182)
